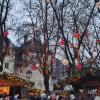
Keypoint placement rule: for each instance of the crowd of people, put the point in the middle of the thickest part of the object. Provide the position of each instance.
(82, 94)
(9, 97)
(85, 94)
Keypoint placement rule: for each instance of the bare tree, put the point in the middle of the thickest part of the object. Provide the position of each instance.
(42, 19)
(70, 21)
(75, 17)
(4, 11)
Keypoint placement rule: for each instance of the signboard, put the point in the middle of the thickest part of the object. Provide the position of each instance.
(4, 90)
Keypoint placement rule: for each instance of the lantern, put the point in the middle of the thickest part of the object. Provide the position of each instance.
(76, 35)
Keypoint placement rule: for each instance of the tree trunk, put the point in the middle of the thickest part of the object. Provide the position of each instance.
(46, 82)
(1, 53)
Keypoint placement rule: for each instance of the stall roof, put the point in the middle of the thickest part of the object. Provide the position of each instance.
(88, 81)
(8, 83)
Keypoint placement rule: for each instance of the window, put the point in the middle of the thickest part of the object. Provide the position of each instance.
(6, 65)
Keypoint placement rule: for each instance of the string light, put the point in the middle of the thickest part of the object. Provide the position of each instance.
(17, 80)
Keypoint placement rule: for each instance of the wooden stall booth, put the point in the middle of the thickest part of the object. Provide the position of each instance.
(9, 88)
(87, 82)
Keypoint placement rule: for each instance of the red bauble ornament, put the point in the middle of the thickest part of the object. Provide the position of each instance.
(76, 35)
(62, 42)
(97, 41)
(45, 72)
(79, 66)
(34, 67)
(5, 33)
(45, 65)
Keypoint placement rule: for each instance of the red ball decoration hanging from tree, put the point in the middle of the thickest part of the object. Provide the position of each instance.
(97, 41)
(79, 66)
(62, 42)
(5, 33)
(76, 35)
(34, 67)
(45, 65)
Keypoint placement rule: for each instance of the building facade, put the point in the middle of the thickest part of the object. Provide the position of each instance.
(8, 63)
(25, 60)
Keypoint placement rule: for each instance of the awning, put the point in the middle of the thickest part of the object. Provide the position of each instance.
(8, 83)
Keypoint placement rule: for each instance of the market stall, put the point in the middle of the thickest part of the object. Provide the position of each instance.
(11, 84)
(9, 87)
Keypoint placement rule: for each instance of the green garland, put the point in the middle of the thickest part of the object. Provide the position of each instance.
(14, 78)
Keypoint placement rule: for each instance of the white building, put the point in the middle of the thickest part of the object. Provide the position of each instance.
(8, 63)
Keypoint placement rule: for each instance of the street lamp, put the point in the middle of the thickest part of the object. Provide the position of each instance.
(28, 74)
